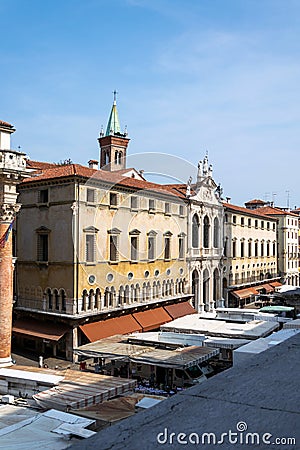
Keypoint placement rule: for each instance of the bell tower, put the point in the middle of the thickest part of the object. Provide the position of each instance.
(113, 144)
(12, 172)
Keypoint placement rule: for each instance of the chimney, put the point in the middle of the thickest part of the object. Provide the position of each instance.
(93, 164)
(228, 199)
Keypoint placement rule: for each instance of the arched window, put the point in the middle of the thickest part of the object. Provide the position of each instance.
(206, 232)
(56, 299)
(126, 295)
(195, 231)
(84, 297)
(205, 287)
(98, 299)
(216, 285)
(216, 232)
(63, 300)
(90, 299)
(106, 298)
(49, 298)
(195, 288)
(120, 157)
(121, 295)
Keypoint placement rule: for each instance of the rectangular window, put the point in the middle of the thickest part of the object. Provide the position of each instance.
(43, 196)
(90, 195)
(151, 248)
(181, 210)
(90, 248)
(242, 249)
(249, 249)
(113, 199)
(181, 247)
(167, 208)
(167, 252)
(151, 205)
(233, 249)
(234, 219)
(262, 249)
(256, 249)
(268, 225)
(133, 202)
(249, 222)
(113, 248)
(262, 224)
(42, 247)
(225, 247)
(242, 221)
(134, 248)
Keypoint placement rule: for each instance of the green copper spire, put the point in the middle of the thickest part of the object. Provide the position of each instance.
(113, 126)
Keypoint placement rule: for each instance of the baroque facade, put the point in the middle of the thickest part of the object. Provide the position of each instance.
(205, 243)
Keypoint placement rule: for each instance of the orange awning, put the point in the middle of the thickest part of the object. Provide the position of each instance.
(38, 328)
(106, 328)
(245, 293)
(180, 309)
(268, 288)
(275, 284)
(152, 318)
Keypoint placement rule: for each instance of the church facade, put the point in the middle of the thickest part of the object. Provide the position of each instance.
(205, 244)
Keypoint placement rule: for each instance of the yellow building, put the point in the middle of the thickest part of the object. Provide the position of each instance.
(96, 245)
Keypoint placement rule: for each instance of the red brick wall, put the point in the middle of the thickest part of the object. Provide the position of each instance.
(6, 294)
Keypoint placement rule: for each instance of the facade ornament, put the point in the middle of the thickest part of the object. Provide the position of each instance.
(219, 191)
(205, 166)
(8, 211)
(200, 171)
(188, 187)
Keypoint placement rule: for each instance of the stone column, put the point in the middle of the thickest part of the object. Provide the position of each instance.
(7, 213)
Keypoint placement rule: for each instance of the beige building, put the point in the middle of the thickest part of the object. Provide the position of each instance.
(250, 254)
(287, 237)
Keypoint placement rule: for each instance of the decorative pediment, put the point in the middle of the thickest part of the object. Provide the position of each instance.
(42, 230)
(91, 229)
(134, 232)
(114, 231)
(168, 234)
(152, 233)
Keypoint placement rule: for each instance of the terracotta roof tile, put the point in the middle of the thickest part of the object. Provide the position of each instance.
(56, 171)
(241, 209)
(255, 202)
(5, 124)
(273, 211)
(39, 165)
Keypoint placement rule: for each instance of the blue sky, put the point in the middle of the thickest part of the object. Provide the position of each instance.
(193, 76)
